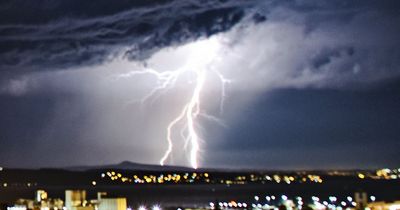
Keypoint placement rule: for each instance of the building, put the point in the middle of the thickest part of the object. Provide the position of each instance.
(40, 195)
(41, 202)
(76, 200)
(112, 204)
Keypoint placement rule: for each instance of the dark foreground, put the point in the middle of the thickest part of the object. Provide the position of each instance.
(24, 183)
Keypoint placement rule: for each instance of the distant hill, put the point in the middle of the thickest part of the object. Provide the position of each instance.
(127, 165)
(132, 166)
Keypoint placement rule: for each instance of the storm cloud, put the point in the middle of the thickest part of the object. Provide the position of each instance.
(60, 62)
(62, 34)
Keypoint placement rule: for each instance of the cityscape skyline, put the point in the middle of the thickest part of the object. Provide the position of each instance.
(199, 105)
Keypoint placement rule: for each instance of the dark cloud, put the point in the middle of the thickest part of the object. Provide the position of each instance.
(45, 35)
(61, 34)
(308, 129)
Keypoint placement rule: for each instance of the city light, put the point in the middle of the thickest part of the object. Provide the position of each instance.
(394, 207)
(201, 177)
(284, 197)
(349, 198)
(156, 207)
(372, 198)
(17, 208)
(315, 198)
(267, 198)
(332, 198)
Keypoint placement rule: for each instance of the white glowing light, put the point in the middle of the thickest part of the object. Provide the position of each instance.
(142, 208)
(373, 198)
(16, 208)
(315, 198)
(284, 197)
(349, 198)
(200, 56)
(319, 206)
(156, 207)
(332, 198)
(394, 207)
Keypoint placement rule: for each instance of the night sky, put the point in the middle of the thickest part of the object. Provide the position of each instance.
(310, 84)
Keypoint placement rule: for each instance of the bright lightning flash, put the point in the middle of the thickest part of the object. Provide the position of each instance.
(200, 56)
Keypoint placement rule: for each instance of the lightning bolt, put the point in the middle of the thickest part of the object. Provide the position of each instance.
(191, 110)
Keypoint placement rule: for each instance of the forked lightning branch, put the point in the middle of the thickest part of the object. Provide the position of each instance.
(185, 121)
